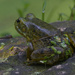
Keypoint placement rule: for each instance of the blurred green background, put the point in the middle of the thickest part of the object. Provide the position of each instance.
(9, 13)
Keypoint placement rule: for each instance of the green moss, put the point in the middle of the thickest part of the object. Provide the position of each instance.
(43, 61)
(53, 42)
(68, 53)
(67, 42)
(57, 38)
(63, 45)
(54, 49)
(52, 55)
(65, 35)
(46, 57)
(48, 46)
(73, 32)
(11, 48)
(58, 52)
(1, 47)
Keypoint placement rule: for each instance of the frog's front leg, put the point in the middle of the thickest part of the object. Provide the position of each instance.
(29, 50)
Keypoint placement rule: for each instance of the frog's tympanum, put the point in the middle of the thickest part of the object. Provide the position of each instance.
(45, 42)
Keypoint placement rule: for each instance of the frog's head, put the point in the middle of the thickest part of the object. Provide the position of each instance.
(20, 26)
(29, 30)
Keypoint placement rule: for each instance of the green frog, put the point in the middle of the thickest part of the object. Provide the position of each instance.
(45, 42)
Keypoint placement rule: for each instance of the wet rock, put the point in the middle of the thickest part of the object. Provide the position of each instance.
(67, 68)
(20, 58)
(64, 25)
(6, 37)
(69, 30)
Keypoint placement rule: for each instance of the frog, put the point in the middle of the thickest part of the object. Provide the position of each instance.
(45, 42)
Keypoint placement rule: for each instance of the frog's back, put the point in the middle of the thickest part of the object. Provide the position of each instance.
(41, 25)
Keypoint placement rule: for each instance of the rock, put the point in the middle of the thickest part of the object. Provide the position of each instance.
(6, 37)
(67, 68)
(64, 25)
(5, 68)
(19, 59)
(69, 30)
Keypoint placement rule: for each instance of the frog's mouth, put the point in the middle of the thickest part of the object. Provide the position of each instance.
(20, 27)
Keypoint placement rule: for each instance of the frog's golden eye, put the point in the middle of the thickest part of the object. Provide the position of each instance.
(18, 20)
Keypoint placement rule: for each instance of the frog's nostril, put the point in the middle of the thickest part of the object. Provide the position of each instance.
(18, 20)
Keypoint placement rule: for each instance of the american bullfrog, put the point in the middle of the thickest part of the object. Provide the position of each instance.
(45, 42)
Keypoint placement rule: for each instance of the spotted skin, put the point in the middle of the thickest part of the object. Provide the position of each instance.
(43, 39)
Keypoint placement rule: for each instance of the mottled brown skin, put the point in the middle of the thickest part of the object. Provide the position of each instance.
(39, 35)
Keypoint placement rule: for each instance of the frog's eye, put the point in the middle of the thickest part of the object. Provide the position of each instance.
(30, 16)
(18, 20)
